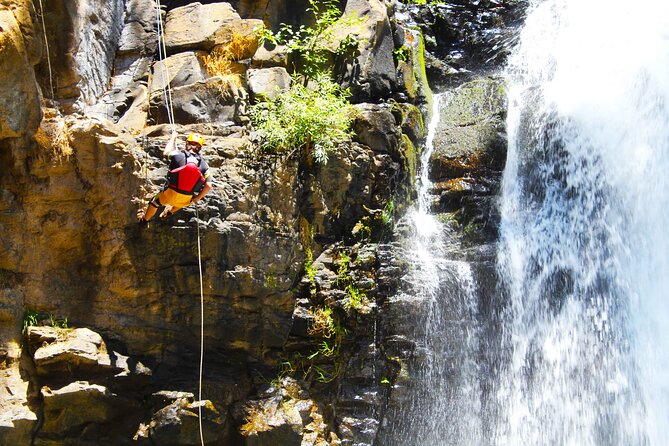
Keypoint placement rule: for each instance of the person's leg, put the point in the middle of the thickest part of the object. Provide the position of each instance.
(169, 211)
(177, 201)
(161, 199)
(147, 213)
(152, 208)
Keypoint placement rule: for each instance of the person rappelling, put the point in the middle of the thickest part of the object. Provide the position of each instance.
(187, 179)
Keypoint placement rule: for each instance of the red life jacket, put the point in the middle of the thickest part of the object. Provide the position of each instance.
(187, 179)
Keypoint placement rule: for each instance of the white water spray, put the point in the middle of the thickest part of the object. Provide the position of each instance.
(585, 221)
(440, 387)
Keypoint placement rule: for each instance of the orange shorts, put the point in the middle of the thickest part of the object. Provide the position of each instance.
(174, 199)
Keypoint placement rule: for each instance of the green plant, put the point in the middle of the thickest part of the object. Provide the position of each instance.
(423, 2)
(323, 363)
(322, 323)
(362, 228)
(402, 53)
(271, 281)
(356, 300)
(310, 270)
(58, 323)
(343, 269)
(312, 44)
(387, 214)
(385, 381)
(315, 365)
(472, 229)
(33, 318)
(324, 376)
(311, 120)
(286, 368)
(450, 219)
(327, 349)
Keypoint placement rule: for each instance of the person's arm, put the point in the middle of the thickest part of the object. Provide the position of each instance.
(205, 190)
(171, 145)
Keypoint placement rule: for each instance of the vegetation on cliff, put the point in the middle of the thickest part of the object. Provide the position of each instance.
(312, 120)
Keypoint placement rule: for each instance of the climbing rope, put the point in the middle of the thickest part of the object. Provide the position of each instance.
(46, 44)
(199, 264)
(145, 138)
(162, 54)
(167, 91)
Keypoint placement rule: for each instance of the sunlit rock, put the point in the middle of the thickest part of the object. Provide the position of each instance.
(20, 111)
(198, 26)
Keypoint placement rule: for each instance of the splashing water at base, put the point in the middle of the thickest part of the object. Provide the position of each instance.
(437, 387)
(585, 214)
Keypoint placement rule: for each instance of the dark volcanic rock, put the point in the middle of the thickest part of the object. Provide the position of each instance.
(466, 38)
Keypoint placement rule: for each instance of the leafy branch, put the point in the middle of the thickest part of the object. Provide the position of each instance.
(313, 120)
(312, 45)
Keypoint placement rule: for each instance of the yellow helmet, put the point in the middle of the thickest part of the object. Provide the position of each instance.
(196, 138)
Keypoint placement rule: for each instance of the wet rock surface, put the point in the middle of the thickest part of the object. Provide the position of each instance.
(469, 157)
(466, 38)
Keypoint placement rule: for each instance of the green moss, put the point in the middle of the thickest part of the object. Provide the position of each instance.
(478, 100)
(411, 155)
(410, 118)
(271, 281)
(449, 219)
(420, 72)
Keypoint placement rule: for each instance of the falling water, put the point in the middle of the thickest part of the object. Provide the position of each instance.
(584, 250)
(438, 391)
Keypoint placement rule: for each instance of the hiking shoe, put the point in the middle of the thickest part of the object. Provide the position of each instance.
(167, 212)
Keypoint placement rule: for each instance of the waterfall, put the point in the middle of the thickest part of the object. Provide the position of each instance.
(438, 389)
(584, 251)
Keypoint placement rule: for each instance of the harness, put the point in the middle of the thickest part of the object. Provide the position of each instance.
(187, 179)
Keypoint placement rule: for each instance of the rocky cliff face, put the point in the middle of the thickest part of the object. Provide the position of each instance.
(282, 243)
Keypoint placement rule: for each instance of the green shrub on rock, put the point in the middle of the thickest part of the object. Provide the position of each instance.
(311, 120)
(312, 46)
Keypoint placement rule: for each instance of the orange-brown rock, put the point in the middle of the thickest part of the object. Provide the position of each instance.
(20, 111)
(203, 27)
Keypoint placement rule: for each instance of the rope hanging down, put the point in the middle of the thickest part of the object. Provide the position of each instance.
(165, 74)
(46, 44)
(199, 264)
(167, 91)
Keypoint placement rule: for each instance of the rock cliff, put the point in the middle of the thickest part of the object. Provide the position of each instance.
(100, 318)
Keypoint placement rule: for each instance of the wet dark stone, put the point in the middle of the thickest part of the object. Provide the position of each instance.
(464, 38)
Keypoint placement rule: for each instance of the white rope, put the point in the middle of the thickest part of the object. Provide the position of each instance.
(199, 263)
(46, 44)
(162, 54)
(167, 91)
